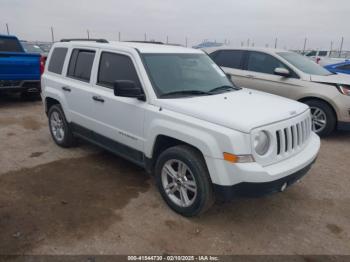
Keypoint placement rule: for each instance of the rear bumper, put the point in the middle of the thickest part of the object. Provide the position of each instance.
(344, 126)
(33, 86)
(247, 189)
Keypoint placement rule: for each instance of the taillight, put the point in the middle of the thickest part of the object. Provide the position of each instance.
(318, 60)
(42, 64)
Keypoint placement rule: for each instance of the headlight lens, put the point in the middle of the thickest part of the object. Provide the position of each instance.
(261, 143)
(344, 89)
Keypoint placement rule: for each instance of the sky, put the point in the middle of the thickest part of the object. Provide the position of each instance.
(236, 21)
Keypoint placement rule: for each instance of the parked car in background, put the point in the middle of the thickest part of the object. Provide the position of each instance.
(294, 76)
(45, 47)
(339, 68)
(172, 111)
(33, 48)
(19, 71)
(323, 57)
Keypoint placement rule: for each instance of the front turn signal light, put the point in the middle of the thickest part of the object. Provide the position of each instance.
(238, 158)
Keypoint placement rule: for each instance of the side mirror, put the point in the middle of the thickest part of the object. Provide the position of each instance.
(282, 72)
(127, 88)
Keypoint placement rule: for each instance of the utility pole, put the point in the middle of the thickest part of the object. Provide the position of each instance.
(119, 36)
(88, 34)
(52, 35)
(305, 41)
(341, 46)
(7, 28)
(167, 39)
(276, 41)
(242, 43)
(331, 46)
(145, 37)
(248, 42)
(186, 41)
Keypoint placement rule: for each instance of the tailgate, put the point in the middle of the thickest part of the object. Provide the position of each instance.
(19, 66)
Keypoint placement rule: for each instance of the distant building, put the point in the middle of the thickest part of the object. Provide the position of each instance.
(207, 44)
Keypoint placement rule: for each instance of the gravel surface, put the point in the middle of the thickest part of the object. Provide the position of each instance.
(87, 201)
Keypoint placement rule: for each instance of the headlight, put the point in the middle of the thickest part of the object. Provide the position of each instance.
(261, 143)
(344, 89)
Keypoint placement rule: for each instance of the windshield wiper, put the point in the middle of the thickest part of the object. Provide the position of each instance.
(222, 88)
(185, 92)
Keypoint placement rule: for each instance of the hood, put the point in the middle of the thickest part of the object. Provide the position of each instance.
(241, 110)
(332, 79)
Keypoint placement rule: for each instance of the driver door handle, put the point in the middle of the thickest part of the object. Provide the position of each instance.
(66, 88)
(98, 99)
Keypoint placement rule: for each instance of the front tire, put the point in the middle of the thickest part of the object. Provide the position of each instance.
(59, 127)
(323, 117)
(183, 180)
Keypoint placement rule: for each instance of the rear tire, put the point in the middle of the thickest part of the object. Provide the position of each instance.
(183, 180)
(323, 117)
(59, 127)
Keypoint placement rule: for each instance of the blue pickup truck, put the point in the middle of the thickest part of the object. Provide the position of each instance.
(20, 72)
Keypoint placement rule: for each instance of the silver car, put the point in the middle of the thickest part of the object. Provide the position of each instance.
(293, 76)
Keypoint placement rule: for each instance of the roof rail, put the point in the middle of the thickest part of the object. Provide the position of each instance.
(85, 39)
(146, 42)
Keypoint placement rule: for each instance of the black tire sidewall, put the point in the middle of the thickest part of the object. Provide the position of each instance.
(195, 164)
(331, 118)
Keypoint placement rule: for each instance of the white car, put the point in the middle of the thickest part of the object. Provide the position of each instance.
(172, 111)
(293, 76)
(324, 58)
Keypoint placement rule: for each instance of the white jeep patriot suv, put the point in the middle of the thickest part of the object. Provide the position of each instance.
(174, 112)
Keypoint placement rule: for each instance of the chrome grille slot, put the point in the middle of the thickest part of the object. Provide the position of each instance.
(290, 138)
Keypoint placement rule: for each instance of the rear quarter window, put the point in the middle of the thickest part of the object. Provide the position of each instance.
(10, 45)
(57, 60)
(228, 58)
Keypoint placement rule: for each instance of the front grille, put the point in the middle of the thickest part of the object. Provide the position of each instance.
(287, 138)
(290, 138)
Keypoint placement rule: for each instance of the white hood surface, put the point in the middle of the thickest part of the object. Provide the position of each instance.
(241, 110)
(332, 79)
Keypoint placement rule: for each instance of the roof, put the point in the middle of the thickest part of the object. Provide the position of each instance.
(141, 47)
(261, 49)
(8, 36)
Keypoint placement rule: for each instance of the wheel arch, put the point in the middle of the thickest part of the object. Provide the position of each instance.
(163, 142)
(304, 99)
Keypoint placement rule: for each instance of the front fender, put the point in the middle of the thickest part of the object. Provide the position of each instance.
(200, 139)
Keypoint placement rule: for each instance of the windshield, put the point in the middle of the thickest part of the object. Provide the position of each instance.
(304, 64)
(31, 48)
(185, 74)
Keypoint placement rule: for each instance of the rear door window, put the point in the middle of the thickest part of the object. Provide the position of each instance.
(115, 67)
(57, 60)
(80, 64)
(228, 58)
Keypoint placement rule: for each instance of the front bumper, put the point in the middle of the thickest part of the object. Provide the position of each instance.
(246, 189)
(232, 180)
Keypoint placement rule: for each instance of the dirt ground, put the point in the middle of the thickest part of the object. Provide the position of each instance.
(87, 201)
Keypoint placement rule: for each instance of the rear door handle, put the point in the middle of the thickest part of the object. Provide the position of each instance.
(65, 88)
(98, 99)
(249, 76)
